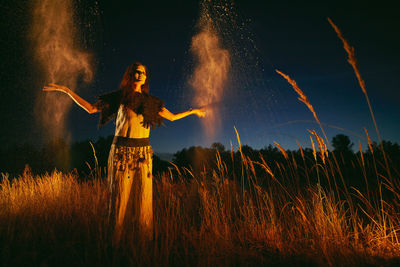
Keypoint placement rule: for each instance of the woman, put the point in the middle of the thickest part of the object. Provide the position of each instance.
(130, 159)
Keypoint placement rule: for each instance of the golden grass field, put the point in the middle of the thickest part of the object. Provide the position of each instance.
(206, 220)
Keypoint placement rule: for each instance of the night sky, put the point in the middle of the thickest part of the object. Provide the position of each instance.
(292, 36)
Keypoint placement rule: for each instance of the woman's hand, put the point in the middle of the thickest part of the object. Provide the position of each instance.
(56, 87)
(200, 112)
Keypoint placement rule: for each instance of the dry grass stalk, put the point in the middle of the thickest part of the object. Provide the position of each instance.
(265, 166)
(294, 161)
(352, 58)
(313, 148)
(251, 166)
(321, 145)
(361, 154)
(176, 168)
(231, 150)
(301, 150)
(282, 150)
(240, 146)
(363, 169)
(302, 97)
(353, 62)
(369, 141)
(238, 138)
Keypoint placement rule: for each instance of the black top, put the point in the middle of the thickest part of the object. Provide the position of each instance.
(141, 103)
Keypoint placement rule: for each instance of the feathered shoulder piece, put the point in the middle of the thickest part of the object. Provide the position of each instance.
(108, 105)
(141, 103)
(147, 105)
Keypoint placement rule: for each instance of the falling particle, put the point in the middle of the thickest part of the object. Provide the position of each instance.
(54, 36)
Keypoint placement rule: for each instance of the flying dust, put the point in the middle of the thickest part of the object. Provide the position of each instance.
(229, 76)
(211, 72)
(55, 39)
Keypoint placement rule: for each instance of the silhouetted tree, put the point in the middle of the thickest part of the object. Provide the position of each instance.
(392, 151)
(57, 154)
(342, 143)
(160, 165)
(249, 151)
(218, 146)
(195, 157)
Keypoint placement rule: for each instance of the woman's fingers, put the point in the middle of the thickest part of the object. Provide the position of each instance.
(55, 87)
(49, 88)
(58, 87)
(201, 112)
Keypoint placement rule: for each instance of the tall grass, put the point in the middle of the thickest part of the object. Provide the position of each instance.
(205, 219)
(48, 219)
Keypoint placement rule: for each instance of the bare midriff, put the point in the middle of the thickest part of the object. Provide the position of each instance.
(129, 124)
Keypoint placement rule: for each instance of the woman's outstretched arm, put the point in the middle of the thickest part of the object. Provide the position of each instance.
(165, 113)
(90, 108)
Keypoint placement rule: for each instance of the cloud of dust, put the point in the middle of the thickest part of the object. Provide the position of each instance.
(210, 74)
(56, 49)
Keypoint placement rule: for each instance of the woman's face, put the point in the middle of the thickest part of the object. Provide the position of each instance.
(140, 75)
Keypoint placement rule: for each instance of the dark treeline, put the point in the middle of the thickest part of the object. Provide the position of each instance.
(301, 164)
(79, 157)
(349, 162)
(56, 154)
(344, 170)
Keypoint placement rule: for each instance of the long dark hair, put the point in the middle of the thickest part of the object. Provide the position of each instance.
(129, 77)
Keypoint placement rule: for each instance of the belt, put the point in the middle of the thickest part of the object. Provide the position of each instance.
(130, 142)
